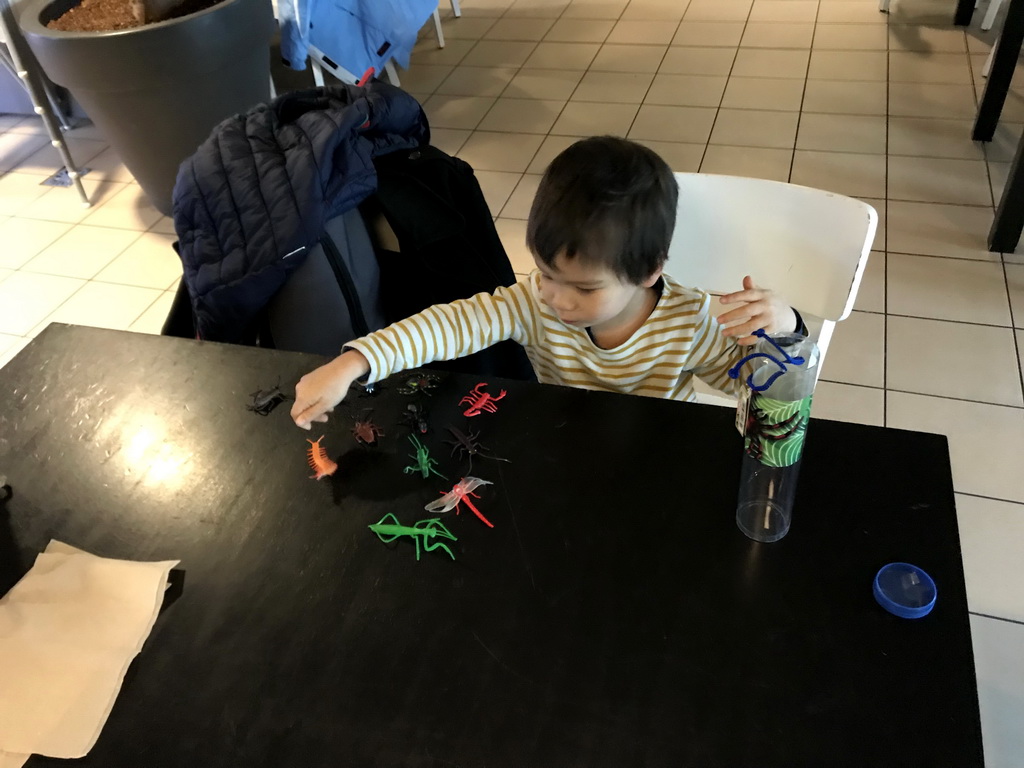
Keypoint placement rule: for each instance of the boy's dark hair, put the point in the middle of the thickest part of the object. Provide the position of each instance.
(609, 201)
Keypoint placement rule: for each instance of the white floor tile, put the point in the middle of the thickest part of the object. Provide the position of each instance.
(985, 441)
(16, 147)
(17, 191)
(999, 665)
(7, 340)
(497, 186)
(22, 239)
(513, 237)
(149, 262)
(64, 204)
(871, 294)
(920, 286)
(82, 252)
(932, 229)
(518, 205)
(47, 160)
(26, 298)
(165, 224)
(491, 151)
(521, 116)
(856, 354)
(658, 123)
(584, 118)
(846, 402)
(1015, 285)
(682, 158)
(128, 209)
(547, 84)
(13, 349)
(153, 319)
(107, 166)
(933, 357)
(551, 147)
(991, 533)
(103, 305)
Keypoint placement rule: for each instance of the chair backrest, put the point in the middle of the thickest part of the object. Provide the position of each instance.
(809, 245)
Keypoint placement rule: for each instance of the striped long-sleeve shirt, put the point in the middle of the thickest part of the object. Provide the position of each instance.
(680, 339)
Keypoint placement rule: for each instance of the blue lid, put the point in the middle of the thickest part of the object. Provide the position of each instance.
(905, 590)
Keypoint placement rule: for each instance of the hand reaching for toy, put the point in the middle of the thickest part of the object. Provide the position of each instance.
(319, 391)
(761, 308)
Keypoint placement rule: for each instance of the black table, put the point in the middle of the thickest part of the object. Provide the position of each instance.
(1009, 219)
(614, 616)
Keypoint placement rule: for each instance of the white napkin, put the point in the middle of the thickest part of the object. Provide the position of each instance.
(68, 631)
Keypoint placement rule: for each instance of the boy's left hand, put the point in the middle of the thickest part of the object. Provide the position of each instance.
(761, 308)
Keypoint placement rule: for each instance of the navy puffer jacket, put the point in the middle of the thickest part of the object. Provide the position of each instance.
(257, 193)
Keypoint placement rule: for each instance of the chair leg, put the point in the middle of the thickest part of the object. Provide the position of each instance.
(988, 62)
(455, 8)
(990, 15)
(389, 67)
(318, 73)
(273, 88)
(437, 28)
(883, 6)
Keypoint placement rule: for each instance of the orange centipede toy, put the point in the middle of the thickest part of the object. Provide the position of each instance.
(319, 461)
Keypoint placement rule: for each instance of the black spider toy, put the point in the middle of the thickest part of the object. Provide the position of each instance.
(263, 401)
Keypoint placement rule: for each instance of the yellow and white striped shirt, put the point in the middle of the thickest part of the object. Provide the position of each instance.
(680, 339)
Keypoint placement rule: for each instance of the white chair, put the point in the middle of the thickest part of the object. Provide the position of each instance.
(809, 245)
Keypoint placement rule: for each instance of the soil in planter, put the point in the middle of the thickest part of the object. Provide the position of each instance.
(109, 15)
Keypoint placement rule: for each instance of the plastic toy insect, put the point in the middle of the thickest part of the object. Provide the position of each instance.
(424, 464)
(263, 401)
(459, 493)
(366, 432)
(479, 401)
(764, 437)
(319, 461)
(420, 382)
(415, 417)
(423, 533)
(469, 445)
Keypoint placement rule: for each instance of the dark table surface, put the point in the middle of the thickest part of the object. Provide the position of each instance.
(614, 616)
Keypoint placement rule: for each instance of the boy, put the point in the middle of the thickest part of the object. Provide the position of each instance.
(597, 313)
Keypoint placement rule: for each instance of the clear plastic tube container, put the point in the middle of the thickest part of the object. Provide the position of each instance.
(776, 425)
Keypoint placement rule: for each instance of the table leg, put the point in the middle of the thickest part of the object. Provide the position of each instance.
(964, 12)
(1009, 221)
(1003, 63)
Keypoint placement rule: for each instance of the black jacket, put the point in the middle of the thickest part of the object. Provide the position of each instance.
(258, 192)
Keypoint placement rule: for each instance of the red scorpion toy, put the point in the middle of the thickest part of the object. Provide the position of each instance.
(480, 401)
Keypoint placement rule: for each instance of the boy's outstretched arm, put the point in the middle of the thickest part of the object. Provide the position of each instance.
(440, 332)
(760, 308)
(320, 390)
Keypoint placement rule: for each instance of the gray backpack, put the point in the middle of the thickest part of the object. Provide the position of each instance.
(333, 297)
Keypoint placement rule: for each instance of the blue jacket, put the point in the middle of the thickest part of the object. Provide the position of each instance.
(357, 34)
(258, 192)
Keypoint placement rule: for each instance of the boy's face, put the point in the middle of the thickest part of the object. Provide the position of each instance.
(587, 295)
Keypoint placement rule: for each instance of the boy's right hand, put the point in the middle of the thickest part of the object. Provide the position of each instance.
(319, 391)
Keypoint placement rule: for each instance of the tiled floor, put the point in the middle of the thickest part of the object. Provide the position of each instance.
(827, 93)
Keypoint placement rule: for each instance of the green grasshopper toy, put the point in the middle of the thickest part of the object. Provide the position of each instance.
(424, 464)
(423, 532)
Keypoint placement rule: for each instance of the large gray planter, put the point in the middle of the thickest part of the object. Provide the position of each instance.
(156, 92)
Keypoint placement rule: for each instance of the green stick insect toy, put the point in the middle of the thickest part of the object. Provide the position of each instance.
(424, 532)
(424, 464)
